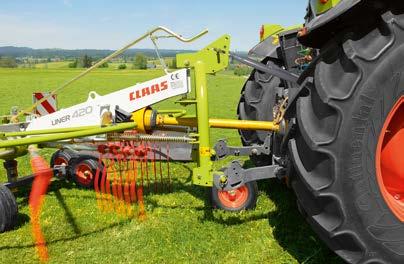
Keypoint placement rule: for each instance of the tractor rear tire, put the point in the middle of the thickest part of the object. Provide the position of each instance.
(257, 102)
(359, 81)
(8, 209)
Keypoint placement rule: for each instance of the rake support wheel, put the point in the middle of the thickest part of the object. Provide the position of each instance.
(83, 171)
(350, 139)
(243, 198)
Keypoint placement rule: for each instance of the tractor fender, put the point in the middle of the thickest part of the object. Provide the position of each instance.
(266, 48)
(318, 25)
(332, 14)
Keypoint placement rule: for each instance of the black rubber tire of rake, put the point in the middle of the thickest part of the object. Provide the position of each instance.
(8, 209)
(357, 80)
(256, 102)
(91, 162)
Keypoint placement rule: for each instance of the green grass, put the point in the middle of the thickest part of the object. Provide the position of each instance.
(180, 227)
(111, 65)
(53, 65)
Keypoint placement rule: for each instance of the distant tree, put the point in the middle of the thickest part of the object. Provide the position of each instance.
(242, 70)
(122, 67)
(73, 64)
(104, 65)
(8, 62)
(173, 64)
(140, 61)
(86, 61)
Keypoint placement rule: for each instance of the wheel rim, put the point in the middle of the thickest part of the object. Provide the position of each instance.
(390, 160)
(234, 199)
(60, 161)
(84, 174)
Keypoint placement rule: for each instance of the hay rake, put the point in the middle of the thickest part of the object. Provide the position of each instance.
(110, 143)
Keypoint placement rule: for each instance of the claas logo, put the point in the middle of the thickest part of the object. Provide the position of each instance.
(146, 91)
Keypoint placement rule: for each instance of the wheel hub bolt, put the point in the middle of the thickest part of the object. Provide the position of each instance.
(223, 179)
(232, 192)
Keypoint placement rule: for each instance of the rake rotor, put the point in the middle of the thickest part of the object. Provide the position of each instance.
(130, 168)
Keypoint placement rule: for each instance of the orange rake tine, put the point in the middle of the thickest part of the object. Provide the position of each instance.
(105, 187)
(161, 170)
(134, 176)
(146, 164)
(168, 168)
(119, 193)
(127, 175)
(119, 180)
(154, 168)
(126, 192)
(43, 175)
(141, 171)
(108, 196)
(145, 172)
(142, 213)
(98, 179)
(140, 191)
(114, 177)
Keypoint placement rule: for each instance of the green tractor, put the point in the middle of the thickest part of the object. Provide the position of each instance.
(345, 121)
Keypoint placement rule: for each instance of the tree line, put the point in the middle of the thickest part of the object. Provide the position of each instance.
(8, 62)
(139, 62)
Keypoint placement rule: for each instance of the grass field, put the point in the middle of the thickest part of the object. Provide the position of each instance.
(111, 65)
(180, 227)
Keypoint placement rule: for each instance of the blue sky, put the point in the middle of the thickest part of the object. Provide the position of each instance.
(103, 24)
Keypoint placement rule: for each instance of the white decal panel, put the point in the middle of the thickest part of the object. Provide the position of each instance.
(129, 99)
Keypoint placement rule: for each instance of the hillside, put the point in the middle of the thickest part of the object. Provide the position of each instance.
(11, 51)
(19, 52)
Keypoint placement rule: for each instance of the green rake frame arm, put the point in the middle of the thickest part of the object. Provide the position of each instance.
(58, 134)
(209, 60)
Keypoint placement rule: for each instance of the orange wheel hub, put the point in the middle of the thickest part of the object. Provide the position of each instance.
(84, 174)
(234, 199)
(390, 160)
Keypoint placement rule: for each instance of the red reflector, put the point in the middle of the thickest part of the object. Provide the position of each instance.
(262, 31)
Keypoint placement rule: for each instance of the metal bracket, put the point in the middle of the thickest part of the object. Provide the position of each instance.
(58, 170)
(223, 150)
(215, 56)
(235, 176)
(156, 48)
(271, 69)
